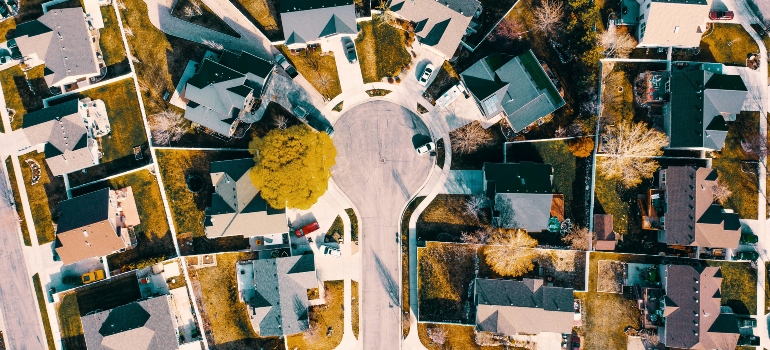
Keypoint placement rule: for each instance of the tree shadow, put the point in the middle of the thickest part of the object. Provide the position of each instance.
(388, 282)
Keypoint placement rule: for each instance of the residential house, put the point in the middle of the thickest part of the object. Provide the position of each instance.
(522, 196)
(693, 311)
(148, 324)
(308, 21)
(604, 234)
(96, 224)
(237, 208)
(683, 211)
(66, 132)
(701, 102)
(61, 40)
(523, 307)
(223, 92)
(276, 293)
(667, 23)
(440, 25)
(516, 88)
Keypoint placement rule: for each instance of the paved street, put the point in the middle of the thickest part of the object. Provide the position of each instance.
(379, 170)
(17, 301)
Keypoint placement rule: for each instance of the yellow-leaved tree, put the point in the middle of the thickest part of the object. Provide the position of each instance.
(293, 166)
(509, 252)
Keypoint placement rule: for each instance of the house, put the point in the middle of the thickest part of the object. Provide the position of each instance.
(440, 25)
(693, 311)
(668, 23)
(516, 88)
(222, 92)
(683, 211)
(66, 132)
(61, 40)
(701, 102)
(308, 21)
(522, 196)
(148, 324)
(523, 307)
(237, 208)
(96, 224)
(604, 234)
(276, 293)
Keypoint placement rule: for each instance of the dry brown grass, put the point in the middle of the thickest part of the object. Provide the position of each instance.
(322, 317)
(458, 337)
(610, 276)
(445, 274)
(265, 12)
(354, 313)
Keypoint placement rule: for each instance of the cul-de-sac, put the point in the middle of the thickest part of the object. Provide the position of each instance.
(384, 174)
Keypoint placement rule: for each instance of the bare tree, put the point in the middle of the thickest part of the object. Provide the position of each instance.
(280, 121)
(474, 204)
(548, 16)
(509, 252)
(720, 191)
(386, 15)
(128, 31)
(480, 236)
(167, 126)
(192, 9)
(469, 138)
(617, 43)
(754, 146)
(213, 44)
(437, 335)
(508, 30)
(627, 150)
(577, 238)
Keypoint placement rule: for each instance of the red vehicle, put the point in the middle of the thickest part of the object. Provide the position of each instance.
(307, 229)
(721, 15)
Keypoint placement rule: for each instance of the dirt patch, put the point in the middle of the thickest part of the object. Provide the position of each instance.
(610, 276)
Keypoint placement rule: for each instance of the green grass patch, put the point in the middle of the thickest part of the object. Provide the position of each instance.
(609, 195)
(735, 167)
(320, 71)
(728, 43)
(381, 50)
(43, 313)
(110, 38)
(739, 286)
(8, 78)
(70, 326)
(17, 200)
(323, 317)
(6, 26)
(43, 196)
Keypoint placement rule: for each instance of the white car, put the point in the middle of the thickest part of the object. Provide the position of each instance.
(426, 73)
(426, 148)
(327, 250)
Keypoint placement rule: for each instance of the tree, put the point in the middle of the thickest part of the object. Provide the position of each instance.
(386, 15)
(548, 16)
(626, 153)
(582, 147)
(720, 191)
(508, 30)
(480, 236)
(293, 166)
(577, 238)
(617, 43)
(469, 138)
(509, 252)
(754, 146)
(437, 334)
(166, 127)
(281, 121)
(474, 204)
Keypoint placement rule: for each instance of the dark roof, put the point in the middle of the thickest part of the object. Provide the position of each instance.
(236, 168)
(302, 5)
(527, 293)
(281, 285)
(83, 210)
(524, 177)
(245, 62)
(31, 28)
(259, 204)
(240, 90)
(142, 325)
(211, 72)
(124, 318)
(54, 112)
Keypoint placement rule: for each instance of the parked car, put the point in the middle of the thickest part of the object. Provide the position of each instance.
(748, 238)
(93, 276)
(327, 250)
(311, 227)
(300, 112)
(283, 62)
(426, 148)
(426, 73)
(721, 15)
(749, 255)
(350, 49)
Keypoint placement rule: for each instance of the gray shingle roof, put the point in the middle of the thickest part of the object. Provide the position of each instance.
(83, 210)
(142, 325)
(306, 21)
(441, 25)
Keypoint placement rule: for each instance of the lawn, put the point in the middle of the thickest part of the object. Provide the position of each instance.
(187, 207)
(225, 318)
(153, 236)
(733, 164)
(14, 86)
(17, 201)
(739, 286)
(354, 313)
(458, 337)
(319, 70)
(44, 196)
(381, 50)
(323, 317)
(207, 18)
(41, 298)
(728, 43)
(69, 322)
(445, 79)
(265, 16)
(445, 273)
(567, 267)
(445, 219)
(6, 26)
(405, 306)
(111, 43)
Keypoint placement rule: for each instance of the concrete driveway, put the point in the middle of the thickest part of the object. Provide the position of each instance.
(380, 171)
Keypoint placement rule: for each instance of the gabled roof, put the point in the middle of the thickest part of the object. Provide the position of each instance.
(142, 325)
(677, 23)
(441, 25)
(246, 63)
(307, 21)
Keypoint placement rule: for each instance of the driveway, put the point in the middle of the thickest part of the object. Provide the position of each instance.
(380, 171)
(351, 79)
(17, 300)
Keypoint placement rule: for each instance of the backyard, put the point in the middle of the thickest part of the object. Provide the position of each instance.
(727, 43)
(111, 43)
(44, 196)
(17, 201)
(381, 50)
(69, 321)
(457, 337)
(196, 12)
(264, 14)
(225, 320)
(445, 273)
(319, 68)
(446, 218)
(41, 303)
(18, 96)
(738, 170)
(322, 318)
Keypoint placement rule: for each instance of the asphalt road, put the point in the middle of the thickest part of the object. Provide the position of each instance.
(379, 170)
(17, 300)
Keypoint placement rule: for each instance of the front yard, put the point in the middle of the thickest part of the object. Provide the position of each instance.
(736, 169)
(322, 318)
(445, 272)
(445, 79)
(446, 218)
(739, 286)
(727, 43)
(320, 70)
(490, 151)
(69, 322)
(18, 96)
(381, 50)
(44, 196)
